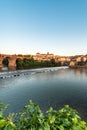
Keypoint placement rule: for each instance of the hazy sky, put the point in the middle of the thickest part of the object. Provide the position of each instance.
(54, 26)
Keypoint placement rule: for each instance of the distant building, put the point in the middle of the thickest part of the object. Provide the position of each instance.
(72, 64)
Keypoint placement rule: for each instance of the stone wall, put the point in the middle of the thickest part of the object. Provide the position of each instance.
(12, 63)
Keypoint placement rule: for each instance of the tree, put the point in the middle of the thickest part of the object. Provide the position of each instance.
(19, 64)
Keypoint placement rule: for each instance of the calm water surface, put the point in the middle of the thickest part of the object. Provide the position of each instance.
(54, 88)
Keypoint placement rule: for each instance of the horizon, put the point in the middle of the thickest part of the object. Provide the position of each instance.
(43, 53)
(57, 27)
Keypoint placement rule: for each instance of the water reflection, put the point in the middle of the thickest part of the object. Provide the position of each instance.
(80, 71)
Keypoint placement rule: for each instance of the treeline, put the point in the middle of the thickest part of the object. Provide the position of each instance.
(31, 63)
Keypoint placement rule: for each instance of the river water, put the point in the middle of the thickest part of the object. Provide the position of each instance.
(54, 87)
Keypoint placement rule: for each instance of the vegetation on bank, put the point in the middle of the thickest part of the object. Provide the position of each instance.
(31, 63)
(32, 118)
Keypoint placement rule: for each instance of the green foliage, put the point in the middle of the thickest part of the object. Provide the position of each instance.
(28, 63)
(32, 118)
(19, 64)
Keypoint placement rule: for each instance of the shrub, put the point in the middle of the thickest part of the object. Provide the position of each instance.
(32, 118)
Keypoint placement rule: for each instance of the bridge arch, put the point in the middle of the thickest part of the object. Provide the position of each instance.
(5, 62)
(8, 61)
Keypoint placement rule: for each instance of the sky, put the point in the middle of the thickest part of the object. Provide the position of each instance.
(54, 26)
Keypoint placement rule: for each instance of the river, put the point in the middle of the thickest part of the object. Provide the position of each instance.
(48, 87)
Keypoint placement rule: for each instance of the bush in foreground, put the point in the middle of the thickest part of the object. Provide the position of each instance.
(32, 118)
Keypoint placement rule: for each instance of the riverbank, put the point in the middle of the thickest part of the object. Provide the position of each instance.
(8, 74)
